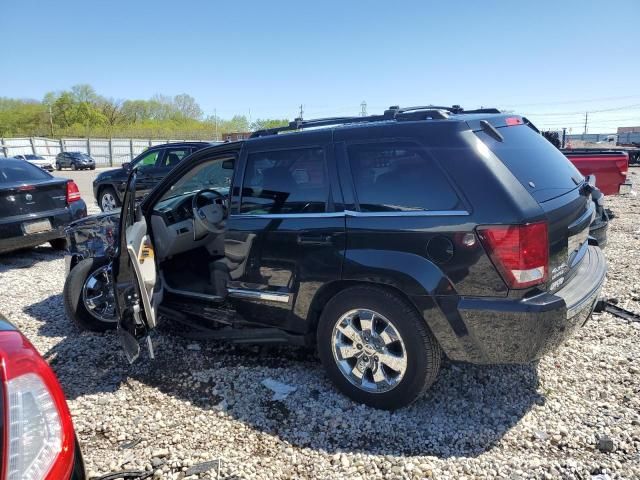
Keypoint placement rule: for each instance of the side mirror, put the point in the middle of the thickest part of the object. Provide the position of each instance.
(126, 165)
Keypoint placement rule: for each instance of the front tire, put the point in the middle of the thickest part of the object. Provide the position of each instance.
(88, 295)
(108, 200)
(74, 167)
(376, 348)
(58, 166)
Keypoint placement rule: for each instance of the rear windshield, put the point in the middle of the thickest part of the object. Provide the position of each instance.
(12, 171)
(539, 166)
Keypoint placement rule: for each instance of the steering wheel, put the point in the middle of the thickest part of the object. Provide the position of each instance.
(209, 212)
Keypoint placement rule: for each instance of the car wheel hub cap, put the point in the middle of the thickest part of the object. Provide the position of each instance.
(97, 295)
(108, 202)
(369, 350)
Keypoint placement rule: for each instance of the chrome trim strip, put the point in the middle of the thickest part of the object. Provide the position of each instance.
(412, 213)
(289, 215)
(351, 213)
(259, 295)
(186, 293)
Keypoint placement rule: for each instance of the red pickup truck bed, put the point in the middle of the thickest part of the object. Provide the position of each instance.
(609, 166)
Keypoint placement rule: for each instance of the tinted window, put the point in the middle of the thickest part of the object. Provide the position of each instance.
(532, 158)
(399, 176)
(34, 157)
(172, 156)
(19, 171)
(291, 181)
(79, 155)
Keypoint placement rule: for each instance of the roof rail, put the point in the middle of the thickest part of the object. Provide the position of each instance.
(392, 113)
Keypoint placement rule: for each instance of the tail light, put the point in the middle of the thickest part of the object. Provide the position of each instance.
(519, 252)
(38, 435)
(73, 193)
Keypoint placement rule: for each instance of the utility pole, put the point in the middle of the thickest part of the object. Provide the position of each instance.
(586, 121)
(564, 136)
(301, 112)
(50, 120)
(363, 109)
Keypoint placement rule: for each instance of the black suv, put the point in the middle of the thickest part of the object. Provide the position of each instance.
(75, 161)
(384, 241)
(152, 165)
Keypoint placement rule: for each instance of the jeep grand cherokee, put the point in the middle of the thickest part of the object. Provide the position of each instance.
(385, 241)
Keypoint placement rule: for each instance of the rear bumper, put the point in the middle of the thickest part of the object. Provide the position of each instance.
(12, 236)
(523, 330)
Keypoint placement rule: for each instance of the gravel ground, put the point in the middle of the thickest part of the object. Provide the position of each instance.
(576, 414)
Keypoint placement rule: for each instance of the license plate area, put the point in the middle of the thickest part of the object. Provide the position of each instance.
(38, 226)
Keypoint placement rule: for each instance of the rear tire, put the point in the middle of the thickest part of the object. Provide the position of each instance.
(417, 348)
(58, 243)
(74, 296)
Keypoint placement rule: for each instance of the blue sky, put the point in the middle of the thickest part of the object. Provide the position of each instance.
(549, 60)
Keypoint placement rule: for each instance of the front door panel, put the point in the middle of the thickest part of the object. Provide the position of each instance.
(277, 265)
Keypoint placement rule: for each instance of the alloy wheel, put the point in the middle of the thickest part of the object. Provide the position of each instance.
(97, 295)
(369, 350)
(107, 202)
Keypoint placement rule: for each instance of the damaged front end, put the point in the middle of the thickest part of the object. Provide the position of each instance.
(91, 237)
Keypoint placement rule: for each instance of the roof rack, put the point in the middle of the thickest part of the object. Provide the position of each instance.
(392, 113)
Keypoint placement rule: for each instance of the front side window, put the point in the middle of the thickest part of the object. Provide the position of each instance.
(285, 182)
(214, 174)
(398, 177)
(148, 160)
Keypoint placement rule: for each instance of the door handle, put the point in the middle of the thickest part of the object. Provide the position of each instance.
(314, 239)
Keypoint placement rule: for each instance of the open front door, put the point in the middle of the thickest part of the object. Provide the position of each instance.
(138, 288)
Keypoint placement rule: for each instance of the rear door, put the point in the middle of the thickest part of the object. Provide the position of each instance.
(558, 187)
(286, 234)
(138, 288)
(169, 160)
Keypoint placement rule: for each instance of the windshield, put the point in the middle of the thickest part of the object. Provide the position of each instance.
(214, 174)
(79, 155)
(34, 157)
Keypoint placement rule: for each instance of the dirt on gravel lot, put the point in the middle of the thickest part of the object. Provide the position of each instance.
(575, 414)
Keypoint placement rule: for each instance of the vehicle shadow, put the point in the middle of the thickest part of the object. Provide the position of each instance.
(27, 257)
(465, 413)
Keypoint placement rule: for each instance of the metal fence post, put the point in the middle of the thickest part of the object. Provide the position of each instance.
(5, 150)
(88, 146)
(110, 152)
(33, 145)
(61, 145)
(131, 149)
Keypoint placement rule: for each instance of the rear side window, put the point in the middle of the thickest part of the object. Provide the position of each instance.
(172, 157)
(288, 181)
(539, 166)
(20, 171)
(399, 177)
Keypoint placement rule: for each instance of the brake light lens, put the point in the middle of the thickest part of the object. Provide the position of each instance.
(73, 192)
(512, 121)
(38, 438)
(519, 252)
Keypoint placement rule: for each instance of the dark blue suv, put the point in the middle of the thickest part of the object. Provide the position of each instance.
(385, 241)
